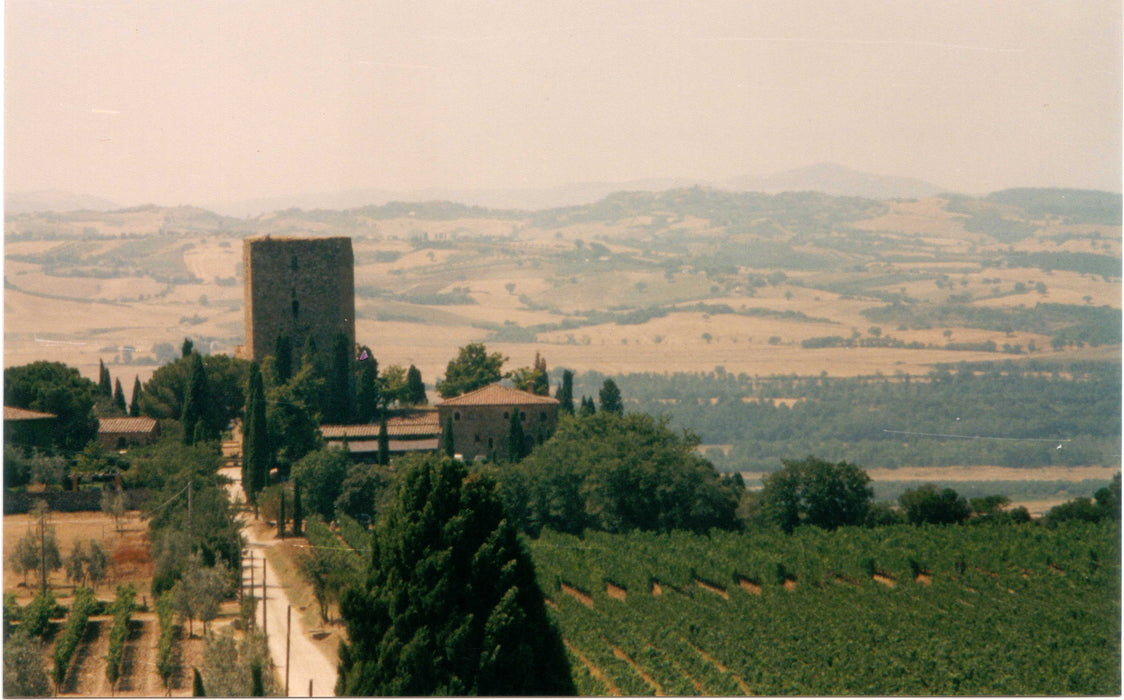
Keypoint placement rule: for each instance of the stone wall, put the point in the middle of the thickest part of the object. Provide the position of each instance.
(68, 501)
(298, 286)
(480, 432)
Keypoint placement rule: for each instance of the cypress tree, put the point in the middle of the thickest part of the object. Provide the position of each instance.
(283, 358)
(611, 398)
(565, 394)
(516, 439)
(367, 388)
(119, 395)
(384, 443)
(257, 683)
(255, 438)
(187, 348)
(281, 517)
(105, 384)
(298, 510)
(447, 438)
(415, 387)
(197, 690)
(195, 401)
(339, 381)
(450, 604)
(134, 404)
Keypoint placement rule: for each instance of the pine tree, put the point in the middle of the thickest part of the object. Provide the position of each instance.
(565, 394)
(516, 439)
(105, 384)
(119, 395)
(450, 605)
(611, 397)
(134, 405)
(384, 443)
(255, 438)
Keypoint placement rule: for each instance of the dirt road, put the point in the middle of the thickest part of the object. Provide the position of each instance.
(309, 671)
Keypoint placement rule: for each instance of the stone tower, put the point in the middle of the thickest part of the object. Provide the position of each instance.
(302, 287)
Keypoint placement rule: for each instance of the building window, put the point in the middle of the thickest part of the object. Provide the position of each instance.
(506, 415)
(456, 415)
(489, 443)
(296, 308)
(523, 415)
(293, 264)
(477, 437)
(542, 416)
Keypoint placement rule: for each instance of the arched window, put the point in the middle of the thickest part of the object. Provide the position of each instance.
(296, 308)
(456, 415)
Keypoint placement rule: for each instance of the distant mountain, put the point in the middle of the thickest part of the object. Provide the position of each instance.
(838, 180)
(53, 200)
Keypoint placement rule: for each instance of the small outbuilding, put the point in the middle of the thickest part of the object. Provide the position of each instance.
(122, 433)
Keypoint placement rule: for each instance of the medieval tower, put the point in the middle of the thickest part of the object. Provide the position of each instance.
(301, 287)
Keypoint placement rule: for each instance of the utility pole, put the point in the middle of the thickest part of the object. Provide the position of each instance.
(288, 636)
(189, 484)
(264, 618)
(252, 616)
(43, 550)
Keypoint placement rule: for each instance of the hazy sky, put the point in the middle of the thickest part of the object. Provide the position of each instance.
(191, 102)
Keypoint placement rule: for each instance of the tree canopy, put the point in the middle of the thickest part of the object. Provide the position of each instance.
(450, 605)
(618, 473)
(815, 492)
(472, 369)
(52, 387)
(928, 504)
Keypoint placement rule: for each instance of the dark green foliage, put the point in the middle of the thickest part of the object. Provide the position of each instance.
(105, 384)
(122, 610)
(257, 452)
(611, 398)
(588, 408)
(367, 395)
(292, 418)
(364, 489)
(283, 358)
(75, 628)
(447, 440)
(24, 673)
(415, 388)
(134, 403)
(565, 393)
(52, 387)
(450, 604)
(165, 661)
(618, 473)
(815, 492)
(927, 504)
(119, 397)
(338, 407)
(1071, 206)
(384, 443)
(257, 686)
(516, 439)
(187, 348)
(35, 618)
(533, 379)
(164, 393)
(473, 369)
(298, 510)
(197, 689)
(321, 475)
(281, 516)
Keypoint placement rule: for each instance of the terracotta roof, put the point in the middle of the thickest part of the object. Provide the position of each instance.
(421, 424)
(13, 413)
(498, 395)
(140, 424)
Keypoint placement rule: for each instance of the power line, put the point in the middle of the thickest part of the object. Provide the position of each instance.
(975, 437)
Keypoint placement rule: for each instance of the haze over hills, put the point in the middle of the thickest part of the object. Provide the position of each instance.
(828, 178)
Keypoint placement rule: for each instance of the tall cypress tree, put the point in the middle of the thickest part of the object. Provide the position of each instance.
(255, 438)
(338, 409)
(384, 443)
(298, 510)
(415, 387)
(196, 399)
(119, 395)
(283, 358)
(447, 438)
(450, 604)
(565, 394)
(134, 404)
(105, 384)
(367, 388)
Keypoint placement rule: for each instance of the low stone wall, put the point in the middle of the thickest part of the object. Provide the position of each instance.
(16, 502)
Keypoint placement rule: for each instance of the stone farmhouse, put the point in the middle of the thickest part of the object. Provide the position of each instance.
(482, 420)
(122, 433)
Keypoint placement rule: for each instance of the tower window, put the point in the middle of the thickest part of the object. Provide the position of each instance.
(296, 308)
(293, 264)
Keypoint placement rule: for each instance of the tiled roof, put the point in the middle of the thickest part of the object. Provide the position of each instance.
(13, 413)
(140, 424)
(498, 395)
(421, 424)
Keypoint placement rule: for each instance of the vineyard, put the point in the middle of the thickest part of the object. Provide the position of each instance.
(974, 610)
